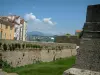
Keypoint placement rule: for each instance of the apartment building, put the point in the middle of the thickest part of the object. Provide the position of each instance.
(20, 27)
(13, 27)
(6, 29)
(23, 29)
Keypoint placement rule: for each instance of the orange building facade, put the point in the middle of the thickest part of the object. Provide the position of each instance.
(6, 29)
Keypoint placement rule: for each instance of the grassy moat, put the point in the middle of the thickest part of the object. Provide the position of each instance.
(44, 68)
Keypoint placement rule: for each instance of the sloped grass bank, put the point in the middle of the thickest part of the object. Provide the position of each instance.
(44, 68)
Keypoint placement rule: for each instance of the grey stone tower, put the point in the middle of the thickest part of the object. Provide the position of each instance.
(88, 55)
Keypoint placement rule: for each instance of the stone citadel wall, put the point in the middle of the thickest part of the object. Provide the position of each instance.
(35, 52)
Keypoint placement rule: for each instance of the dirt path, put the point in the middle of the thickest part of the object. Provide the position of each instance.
(5, 73)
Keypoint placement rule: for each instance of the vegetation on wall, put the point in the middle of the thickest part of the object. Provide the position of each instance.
(4, 47)
(5, 64)
(35, 46)
(0, 44)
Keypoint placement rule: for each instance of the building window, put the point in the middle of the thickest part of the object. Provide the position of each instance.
(6, 26)
(0, 25)
(16, 29)
(1, 35)
(11, 27)
(10, 36)
(5, 35)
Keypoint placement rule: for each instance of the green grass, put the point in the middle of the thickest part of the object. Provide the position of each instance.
(44, 68)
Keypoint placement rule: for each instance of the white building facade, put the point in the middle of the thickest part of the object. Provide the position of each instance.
(25, 31)
(20, 27)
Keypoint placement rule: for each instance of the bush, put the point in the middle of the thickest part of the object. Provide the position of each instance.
(16, 45)
(13, 47)
(28, 45)
(19, 46)
(0, 44)
(34, 46)
(23, 45)
(4, 47)
(5, 64)
(10, 47)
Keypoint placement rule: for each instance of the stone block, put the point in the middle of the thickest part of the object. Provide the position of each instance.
(76, 71)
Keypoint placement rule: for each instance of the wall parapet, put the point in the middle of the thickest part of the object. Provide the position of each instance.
(21, 45)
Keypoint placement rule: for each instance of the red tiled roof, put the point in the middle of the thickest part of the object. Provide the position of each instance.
(22, 21)
(78, 30)
(17, 17)
(10, 21)
(6, 22)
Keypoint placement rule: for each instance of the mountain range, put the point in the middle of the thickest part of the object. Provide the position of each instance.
(37, 33)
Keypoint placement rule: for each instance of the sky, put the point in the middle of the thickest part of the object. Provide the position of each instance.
(49, 16)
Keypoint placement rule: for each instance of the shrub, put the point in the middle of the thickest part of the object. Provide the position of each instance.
(38, 46)
(4, 47)
(30, 45)
(26, 45)
(16, 45)
(5, 64)
(0, 44)
(13, 47)
(23, 45)
(53, 48)
(34, 46)
(19, 46)
(10, 47)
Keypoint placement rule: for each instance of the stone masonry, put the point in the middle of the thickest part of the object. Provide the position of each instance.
(88, 55)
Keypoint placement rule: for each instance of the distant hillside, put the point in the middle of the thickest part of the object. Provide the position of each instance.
(37, 33)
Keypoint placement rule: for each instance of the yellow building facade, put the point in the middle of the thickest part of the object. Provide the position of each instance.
(6, 30)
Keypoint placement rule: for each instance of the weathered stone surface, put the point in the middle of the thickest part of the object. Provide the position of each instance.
(88, 55)
(93, 13)
(91, 26)
(21, 58)
(2, 72)
(76, 71)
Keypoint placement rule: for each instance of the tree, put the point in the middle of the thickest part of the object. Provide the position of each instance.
(80, 35)
(68, 35)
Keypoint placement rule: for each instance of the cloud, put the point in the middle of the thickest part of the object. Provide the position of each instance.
(30, 16)
(35, 24)
(48, 20)
(10, 13)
